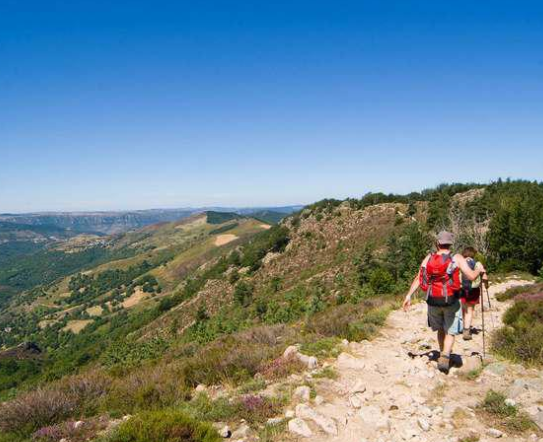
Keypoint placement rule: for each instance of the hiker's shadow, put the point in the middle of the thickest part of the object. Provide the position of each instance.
(433, 356)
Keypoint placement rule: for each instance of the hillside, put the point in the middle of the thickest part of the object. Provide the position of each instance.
(215, 299)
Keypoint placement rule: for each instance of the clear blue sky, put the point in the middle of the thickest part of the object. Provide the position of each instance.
(140, 104)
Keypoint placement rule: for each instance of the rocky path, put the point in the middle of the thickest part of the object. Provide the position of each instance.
(389, 389)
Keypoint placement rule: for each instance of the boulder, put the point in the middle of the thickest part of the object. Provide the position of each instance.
(538, 419)
(298, 427)
(494, 432)
(242, 432)
(373, 416)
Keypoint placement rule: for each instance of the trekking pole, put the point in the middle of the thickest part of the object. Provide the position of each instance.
(483, 321)
(485, 286)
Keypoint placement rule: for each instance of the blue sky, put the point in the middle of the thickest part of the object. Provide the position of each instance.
(133, 104)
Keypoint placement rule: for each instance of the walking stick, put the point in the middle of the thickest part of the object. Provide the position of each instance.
(483, 321)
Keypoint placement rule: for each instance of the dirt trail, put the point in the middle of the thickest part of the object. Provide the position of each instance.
(384, 395)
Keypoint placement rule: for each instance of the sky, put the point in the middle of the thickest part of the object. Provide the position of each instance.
(147, 104)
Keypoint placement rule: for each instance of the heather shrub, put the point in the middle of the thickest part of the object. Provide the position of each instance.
(31, 411)
(148, 388)
(164, 426)
(257, 409)
(72, 431)
(227, 359)
(281, 368)
(512, 292)
(203, 408)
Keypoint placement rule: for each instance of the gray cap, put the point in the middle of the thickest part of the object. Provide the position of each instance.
(445, 238)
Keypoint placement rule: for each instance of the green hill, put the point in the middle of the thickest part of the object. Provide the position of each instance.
(196, 302)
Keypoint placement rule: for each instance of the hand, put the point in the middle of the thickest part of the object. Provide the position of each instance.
(406, 303)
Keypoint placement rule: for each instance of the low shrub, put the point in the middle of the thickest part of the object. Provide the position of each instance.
(281, 367)
(506, 416)
(512, 292)
(227, 359)
(148, 388)
(521, 339)
(325, 347)
(37, 409)
(203, 408)
(257, 409)
(164, 426)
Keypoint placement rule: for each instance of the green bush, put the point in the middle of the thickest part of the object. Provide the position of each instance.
(521, 339)
(164, 426)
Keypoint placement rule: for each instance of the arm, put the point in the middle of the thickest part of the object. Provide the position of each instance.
(414, 287)
(466, 270)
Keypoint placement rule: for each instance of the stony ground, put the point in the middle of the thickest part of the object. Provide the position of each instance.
(389, 390)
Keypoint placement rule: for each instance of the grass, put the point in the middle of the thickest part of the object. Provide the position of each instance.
(505, 416)
(326, 373)
(273, 433)
(253, 385)
(470, 439)
(322, 348)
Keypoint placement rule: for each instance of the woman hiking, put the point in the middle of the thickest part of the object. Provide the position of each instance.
(439, 277)
(471, 292)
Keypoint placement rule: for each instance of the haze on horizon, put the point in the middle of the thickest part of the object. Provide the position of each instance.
(137, 105)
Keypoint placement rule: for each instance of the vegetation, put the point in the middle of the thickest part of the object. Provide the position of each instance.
(521, 339)
(508, 417)
(164, 426)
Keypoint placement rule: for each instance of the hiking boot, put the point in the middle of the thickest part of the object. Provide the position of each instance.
(466, 335)
(443, 364)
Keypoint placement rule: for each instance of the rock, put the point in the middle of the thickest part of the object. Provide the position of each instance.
(423, 424)
(290, 351)
(510, 402)
(310, 362)
(496, 368)
(302, 393)
(494, 432)
(356, 400)
(358, 387)
(225, 432)
(373, 416)
(274, 421)
(470, 364)
(242, 432)
(327, 424)
(201, 388)
(518, 388)
(78, 424)
(538, 420)
(347, 362)
(319, 400)
(299, 428)
(534, 409)
(289, 414)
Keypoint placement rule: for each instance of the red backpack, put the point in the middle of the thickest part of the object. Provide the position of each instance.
(440, 279)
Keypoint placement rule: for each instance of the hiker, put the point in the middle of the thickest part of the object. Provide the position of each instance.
(471, 292)
(439, 277)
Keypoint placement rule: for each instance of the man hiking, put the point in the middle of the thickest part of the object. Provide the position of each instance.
(439, 277)
(471, 291)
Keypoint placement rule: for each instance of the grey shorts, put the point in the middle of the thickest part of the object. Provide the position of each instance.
(447, 318)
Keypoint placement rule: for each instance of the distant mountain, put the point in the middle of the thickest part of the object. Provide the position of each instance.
(123, 221)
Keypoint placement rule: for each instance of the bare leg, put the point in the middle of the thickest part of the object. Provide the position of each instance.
(441, 339)
(468, 317)
(448, 343)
